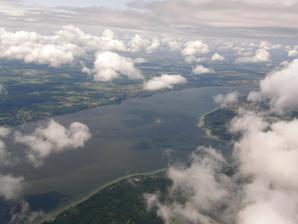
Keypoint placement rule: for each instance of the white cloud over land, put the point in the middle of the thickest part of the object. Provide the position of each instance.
(138, 43)
(255, 192)
(31, 47)
(200, 69)
(109, 65)
(164, 81)
(259, 183)
(229, 99)
(292, 53)
(262, 55)
(63, 47)
(194, 49)
(217, 57)
(280, 89)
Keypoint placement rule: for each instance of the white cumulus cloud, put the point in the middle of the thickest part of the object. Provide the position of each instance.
(138, 43)
(164, 81)
(53, 138)
(31, 47)
(194, 49)
(109, 66)
(292, 53)
(280, 88)
(259, 185)
(200, 69)
(261, 55)
(217, 57)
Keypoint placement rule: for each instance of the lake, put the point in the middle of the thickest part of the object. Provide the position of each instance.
(139, 135)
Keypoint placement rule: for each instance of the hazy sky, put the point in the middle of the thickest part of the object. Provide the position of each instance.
(186, 17)
(81, 3)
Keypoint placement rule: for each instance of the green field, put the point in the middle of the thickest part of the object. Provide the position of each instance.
(30, 94)
(119, 203)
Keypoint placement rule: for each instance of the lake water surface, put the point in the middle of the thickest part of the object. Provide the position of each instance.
(139, 135)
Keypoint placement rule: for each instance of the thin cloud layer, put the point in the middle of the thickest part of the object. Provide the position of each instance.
(227, 100)
(169, 16)
(231, 13)
(4, 154)
(10, 186)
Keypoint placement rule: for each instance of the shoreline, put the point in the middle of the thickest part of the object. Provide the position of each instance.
(201, 125)
(41, 119)
(83, 198)
(77, 200)
(74, 202)
(141, 94)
